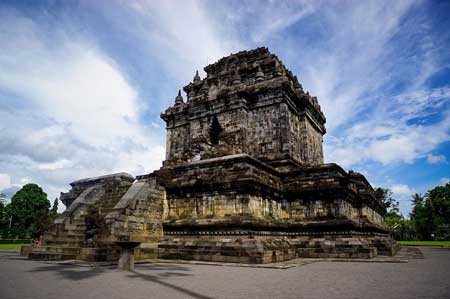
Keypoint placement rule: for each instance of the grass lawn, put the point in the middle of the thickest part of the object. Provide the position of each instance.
(425, 243)
(11, 246)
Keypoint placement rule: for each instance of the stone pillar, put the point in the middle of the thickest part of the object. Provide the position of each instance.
(126, 261)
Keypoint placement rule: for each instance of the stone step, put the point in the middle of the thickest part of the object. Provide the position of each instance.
(76, 232)
(46, 256)
(57, 249)
(63, 243)
(64, 236)
(108, 204)
(104, 212)
(75, 226)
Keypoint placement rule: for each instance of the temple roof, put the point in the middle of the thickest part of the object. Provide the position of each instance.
(92, 180)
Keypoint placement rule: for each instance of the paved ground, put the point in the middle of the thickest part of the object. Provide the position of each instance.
(419, 278)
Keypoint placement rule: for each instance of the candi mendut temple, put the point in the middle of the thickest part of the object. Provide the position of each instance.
(244, 180)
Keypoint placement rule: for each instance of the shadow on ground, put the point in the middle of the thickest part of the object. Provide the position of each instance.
(159, 278)
(161, 273)
(72, 272)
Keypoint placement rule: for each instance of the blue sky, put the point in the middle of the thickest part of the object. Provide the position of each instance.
(82, 83)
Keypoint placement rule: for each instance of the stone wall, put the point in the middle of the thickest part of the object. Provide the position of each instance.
(265, 136)
(311, 150)
(240, 189)
(138, 217)
(177, 142)
(372, 216)
(305, 140)
(259, 106)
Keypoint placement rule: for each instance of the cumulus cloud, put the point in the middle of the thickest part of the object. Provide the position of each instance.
(67, 110)
(443, 181)
(5, 181)
(259, 22)
(401, 189)
(402, 193)
(182, 35)
(359, 59)
(353, 70)
(436, 159)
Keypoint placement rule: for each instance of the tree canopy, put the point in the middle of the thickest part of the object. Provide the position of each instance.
(27, 206)
(431, 213)
(2, 210)
(428, 220)
(54, 210)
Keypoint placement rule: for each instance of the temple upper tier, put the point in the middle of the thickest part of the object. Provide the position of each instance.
(249, 102)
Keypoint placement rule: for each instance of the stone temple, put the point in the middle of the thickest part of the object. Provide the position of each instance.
(244, 180)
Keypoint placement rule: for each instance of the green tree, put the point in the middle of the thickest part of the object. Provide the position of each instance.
(439, 198)
(27, 206)
(2, 211)
(54, 210)
(423, 217)
(385, 194)
(2, 204)
(417, 199)
(401, 228)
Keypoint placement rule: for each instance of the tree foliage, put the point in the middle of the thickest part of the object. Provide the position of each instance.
(54, 210)
(393, 219)
(428, 220)
(439, 198)
(28, 206)
(431, 213)
(385, 195)
(3, 219)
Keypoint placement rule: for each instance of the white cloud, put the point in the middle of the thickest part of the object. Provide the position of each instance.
(348, 64)
(75, 114)
(443, 181)
(262, 21)
(390, 138)
(402, 193)
(55, 165)
(5, 181)
(401, 189)
(436, 159)
(26, 180)
(353, 65)
(181, 35)
(78, 86)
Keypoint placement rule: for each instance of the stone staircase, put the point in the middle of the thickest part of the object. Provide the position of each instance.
(67, 238)
(62, 242)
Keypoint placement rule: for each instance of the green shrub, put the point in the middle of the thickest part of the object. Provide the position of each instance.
(15, 241)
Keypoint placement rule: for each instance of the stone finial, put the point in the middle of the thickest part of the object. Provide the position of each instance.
(259, 75)
(315, 101)
(244, 64)
(196, 77)
(279, 71)
(236, 78)
(297, 83)
(179, 99)
(205, 87)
